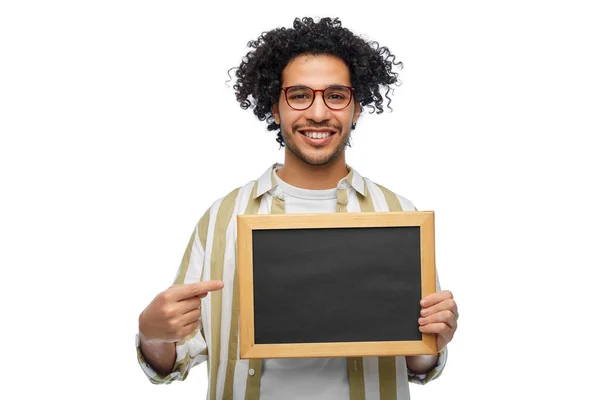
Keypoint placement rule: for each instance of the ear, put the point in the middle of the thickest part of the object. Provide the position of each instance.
(357, 110)
(275, 112)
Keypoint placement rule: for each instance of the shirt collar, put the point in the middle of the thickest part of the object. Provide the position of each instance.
(267, 181)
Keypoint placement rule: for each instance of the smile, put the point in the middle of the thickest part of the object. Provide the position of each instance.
(317, 135)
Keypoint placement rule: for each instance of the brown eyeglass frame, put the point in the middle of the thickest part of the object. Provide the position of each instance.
(315, 91)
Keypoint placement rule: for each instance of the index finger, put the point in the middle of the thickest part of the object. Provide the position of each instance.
(435, 298)
(186, 291)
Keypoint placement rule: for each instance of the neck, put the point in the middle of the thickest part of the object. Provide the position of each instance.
(315, 177)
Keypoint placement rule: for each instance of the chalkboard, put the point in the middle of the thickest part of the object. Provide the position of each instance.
(317, 285)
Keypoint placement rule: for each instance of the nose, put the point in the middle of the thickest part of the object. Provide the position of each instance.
(318, 111)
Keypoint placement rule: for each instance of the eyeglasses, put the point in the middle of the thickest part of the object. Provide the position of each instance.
(302, 97)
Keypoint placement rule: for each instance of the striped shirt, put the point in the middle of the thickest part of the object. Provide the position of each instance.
(211, 255)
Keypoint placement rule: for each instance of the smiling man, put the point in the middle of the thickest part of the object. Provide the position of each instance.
(310, 83)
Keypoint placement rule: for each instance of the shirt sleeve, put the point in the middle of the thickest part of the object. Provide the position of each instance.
(192, 350)
(435, 372)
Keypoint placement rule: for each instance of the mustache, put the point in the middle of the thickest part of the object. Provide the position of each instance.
(326, 125)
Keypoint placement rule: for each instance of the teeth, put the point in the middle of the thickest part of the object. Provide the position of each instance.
(317, 135)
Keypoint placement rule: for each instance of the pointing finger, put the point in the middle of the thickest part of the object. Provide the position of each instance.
(186, 291)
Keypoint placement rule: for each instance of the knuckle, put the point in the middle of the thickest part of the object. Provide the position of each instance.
(172, 325)
(167, 295)
(452, 303)
(162, 302)
(167, 312)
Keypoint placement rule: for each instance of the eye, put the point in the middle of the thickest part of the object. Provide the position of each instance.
(336, 96)
(298, 96)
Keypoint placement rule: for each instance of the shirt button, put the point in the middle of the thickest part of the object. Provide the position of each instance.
(251, 372)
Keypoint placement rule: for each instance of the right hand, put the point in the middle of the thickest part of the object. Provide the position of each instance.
(175, 312)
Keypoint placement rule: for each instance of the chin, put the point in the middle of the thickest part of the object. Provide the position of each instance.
(317, 160)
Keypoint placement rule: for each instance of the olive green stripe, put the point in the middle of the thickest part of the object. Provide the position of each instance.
(203, 228)
(202, 234)
(342, 200)
(217, 260)
(233, 341)
(356, 378)
(253, 204)
(387, 378)
(251, 208)
(253, 381)
(391, 199)
(185, 261)
(277, 206)
(365, 202)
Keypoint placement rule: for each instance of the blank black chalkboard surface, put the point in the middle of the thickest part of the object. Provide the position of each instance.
(334, 285)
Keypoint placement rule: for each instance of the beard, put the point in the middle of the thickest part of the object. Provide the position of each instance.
(324, 157)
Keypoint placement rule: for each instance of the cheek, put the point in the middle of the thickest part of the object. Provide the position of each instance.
(289, 117)
(347, 119)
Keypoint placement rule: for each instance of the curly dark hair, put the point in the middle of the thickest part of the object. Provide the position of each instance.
(258, 84)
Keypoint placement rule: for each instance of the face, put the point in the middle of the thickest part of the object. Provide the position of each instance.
(317, 135)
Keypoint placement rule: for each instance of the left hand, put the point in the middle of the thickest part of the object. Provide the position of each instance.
(439, 315)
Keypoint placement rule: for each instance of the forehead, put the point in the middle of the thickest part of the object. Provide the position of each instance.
(316, 71)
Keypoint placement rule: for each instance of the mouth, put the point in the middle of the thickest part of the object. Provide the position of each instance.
(317, 137)
(317, 134)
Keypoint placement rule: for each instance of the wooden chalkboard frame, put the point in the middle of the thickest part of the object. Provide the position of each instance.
(248, 223)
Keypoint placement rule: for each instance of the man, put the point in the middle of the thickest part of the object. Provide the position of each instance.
(310, 83)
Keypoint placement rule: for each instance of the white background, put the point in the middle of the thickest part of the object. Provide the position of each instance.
(118, 131)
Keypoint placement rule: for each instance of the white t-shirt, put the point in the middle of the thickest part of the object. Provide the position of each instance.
(305, 378)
